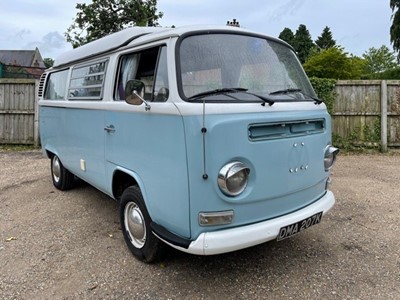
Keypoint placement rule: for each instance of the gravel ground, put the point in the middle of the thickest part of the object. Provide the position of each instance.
(68, 245)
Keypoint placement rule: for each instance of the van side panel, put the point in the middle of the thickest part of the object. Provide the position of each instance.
(152, 145)
(84, 131)
(77, 137)
(52, 129)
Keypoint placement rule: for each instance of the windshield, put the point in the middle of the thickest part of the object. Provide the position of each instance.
(252, 66)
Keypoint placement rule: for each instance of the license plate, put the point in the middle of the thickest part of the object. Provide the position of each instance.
(292, 229)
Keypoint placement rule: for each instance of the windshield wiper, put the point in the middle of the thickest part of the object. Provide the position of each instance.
(263, 98)
(294, 90)
(217, 92)
(225, 91)
(285, 91)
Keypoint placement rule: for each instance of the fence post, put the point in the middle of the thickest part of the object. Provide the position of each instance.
(384, 110)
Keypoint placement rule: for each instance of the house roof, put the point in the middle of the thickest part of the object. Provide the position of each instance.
(23, 58)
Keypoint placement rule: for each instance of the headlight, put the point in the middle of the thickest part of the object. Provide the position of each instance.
(233, 178)
(330, 157)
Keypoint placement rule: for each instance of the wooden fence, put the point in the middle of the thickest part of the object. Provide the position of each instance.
(367, 113)
(18, 111)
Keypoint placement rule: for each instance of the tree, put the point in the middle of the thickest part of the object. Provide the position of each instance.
(334, 63)
(325, 40)
(48, 62)
(287, 36)
(379, 60)
(395, 28)
(303, 43)
(357, 67)
(103, 17)
(390, 74)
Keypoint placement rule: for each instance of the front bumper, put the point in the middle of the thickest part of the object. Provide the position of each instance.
(222, 241)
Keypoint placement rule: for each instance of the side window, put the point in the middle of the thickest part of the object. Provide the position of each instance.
(148, 66)
(161, 85)
(87, 82)
(56, 85)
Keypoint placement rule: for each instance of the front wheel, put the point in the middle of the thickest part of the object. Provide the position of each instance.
(62, 178)
(135, 223)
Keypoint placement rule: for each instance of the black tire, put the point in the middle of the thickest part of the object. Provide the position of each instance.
(135, 224)
(62, 178)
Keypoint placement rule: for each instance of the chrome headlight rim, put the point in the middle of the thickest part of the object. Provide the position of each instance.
(330, 157)
(228, 173)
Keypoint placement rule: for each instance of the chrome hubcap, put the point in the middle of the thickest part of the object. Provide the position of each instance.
(135, 224)
(56, 168)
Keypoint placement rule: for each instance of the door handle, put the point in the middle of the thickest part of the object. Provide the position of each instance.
(109, 128)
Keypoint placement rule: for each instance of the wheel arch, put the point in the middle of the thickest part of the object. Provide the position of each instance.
(123, 178)
(50, 152)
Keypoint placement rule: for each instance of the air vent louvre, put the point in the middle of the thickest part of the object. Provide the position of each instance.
(280, 130)
(41, 85)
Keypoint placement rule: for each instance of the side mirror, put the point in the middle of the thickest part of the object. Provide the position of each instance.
(134, 92)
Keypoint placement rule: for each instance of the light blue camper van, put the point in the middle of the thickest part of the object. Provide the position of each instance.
(210, 138)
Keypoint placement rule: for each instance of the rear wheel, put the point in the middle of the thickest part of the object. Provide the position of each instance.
(62, 178)
(135, 223)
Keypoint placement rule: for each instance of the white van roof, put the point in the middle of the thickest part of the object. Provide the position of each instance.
(105, 44)
(126, 36)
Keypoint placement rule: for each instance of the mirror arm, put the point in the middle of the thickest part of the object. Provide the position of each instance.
(147, 105)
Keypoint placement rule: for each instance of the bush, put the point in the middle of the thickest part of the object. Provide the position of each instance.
(325, 89)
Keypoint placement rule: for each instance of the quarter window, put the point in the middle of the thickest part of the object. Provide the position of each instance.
(87, 82)
(56, 85)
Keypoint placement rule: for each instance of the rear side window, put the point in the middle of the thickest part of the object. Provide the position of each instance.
(87, 82)
(56, 85)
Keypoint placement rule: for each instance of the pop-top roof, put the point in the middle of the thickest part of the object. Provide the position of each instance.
(107, 43)
(124, 37)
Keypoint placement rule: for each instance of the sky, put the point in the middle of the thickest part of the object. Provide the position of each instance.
(356, 25)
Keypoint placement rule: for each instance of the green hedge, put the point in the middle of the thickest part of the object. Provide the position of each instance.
(325, 89)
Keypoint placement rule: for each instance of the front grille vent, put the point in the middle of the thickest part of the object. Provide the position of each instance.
(280, 130)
